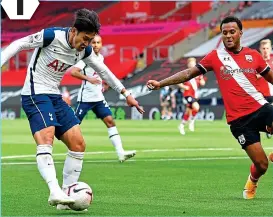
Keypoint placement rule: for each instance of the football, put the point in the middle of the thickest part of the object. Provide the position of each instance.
(82, 194)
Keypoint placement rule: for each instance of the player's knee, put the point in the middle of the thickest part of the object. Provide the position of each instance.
(76, 142)
(45, 136)
(48, 138)
(195, 106)
(79, 145)
(109, 121)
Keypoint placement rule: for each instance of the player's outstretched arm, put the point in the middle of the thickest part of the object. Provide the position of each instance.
(112, 80)
(28, 42)
(179, 77)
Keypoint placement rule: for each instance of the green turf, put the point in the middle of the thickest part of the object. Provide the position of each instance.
(170, 176)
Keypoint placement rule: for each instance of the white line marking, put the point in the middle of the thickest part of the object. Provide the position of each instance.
(140, 151)
(140, 160)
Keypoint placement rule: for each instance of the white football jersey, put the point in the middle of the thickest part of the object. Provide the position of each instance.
(52, 56)
(90, 92)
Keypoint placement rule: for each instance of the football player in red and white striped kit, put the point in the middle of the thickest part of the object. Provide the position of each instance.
(190, 95)
(247, 111)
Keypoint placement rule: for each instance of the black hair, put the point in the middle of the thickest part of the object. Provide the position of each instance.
(87, 21)
(230, 19)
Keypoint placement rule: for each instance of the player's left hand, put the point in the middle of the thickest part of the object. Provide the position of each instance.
(133, 103)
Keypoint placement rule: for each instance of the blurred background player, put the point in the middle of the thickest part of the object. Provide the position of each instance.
(265, 87)
(177, 102)
(165, 103)
(190, 94)
(90, 97)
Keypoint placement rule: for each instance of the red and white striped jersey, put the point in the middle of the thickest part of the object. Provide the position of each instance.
(236, 76)
(193, 85)
(265, 87)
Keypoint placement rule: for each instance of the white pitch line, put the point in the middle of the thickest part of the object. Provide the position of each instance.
(111, 152)
(139, 151)
(141, 160)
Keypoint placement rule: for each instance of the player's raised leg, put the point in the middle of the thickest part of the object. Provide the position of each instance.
(247, 131)
(74, 158)
(71, 136)
(257, 169)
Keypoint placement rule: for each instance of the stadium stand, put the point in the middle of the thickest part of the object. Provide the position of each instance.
(168, 31)
(250, 37)
(117, 42)
(259, 10)
(142, 41)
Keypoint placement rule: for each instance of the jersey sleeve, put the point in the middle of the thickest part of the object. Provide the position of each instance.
(48, 36)
(39, 39)
(205, 64)
(262, 67)
(104, 72)
(80, 65)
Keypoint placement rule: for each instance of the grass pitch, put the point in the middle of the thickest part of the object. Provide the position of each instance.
(199, 174)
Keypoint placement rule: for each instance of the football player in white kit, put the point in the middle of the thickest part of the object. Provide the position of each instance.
(56, 49)
(90, 97)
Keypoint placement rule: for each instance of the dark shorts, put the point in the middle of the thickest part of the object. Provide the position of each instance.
(45, 110)
(101, 109)
(190, 100)
(269, 99)
(247, 128)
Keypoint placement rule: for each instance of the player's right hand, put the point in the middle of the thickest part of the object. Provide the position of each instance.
(153, 85)
(94, 80)
(133, 103)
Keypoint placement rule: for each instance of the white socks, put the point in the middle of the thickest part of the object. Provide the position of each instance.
(71, 171)
(46, 166)
(115, 139)
(72, 167)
